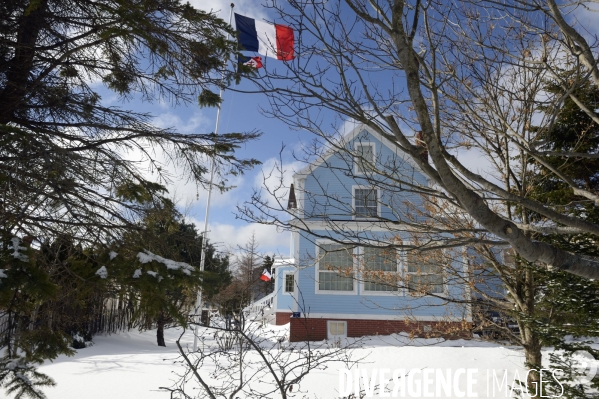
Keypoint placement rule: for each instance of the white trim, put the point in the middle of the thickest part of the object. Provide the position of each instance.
(444, 294)
(402, 269)
(354, 316)
(351, 225)
(348, 138)
(275, 302)
(329, 335)
(300, 196)
(317, 289)
(399, 270)
(296, 293)
(284, 282)
(356, 159)
(353, 201)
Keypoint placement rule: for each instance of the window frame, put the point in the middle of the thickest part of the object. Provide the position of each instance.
(357, 161)
(407, 273)
(285, 274)
(317, 270)
(353, 202)
(399, 271)
(329, 322)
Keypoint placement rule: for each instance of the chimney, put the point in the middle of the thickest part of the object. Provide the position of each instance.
(420, 143)
(292, 203)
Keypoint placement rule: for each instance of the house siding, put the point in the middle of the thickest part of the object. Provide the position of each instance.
(284, 301)
(361, 302)
(328, 189)
(325, 199)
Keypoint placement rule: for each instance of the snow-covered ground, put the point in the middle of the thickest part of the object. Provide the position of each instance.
(131, 365)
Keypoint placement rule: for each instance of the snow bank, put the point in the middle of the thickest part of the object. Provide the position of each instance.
(131, 365)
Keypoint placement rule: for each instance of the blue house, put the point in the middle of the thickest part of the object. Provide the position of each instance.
(347, 275)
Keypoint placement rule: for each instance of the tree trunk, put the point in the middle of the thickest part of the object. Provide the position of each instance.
(21, 64)
(531, 341)
(160, 332)
(532, 353)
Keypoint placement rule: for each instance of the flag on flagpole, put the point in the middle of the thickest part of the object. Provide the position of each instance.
(265, 276)
(254, 62)
(272, 40)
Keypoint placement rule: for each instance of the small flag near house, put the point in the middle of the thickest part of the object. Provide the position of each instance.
(265, 276)
(272, 40)
(254, 62)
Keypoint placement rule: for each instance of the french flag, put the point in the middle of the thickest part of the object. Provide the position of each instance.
(265, 276)
(272, 40)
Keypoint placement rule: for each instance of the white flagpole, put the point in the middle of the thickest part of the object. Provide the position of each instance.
(199, 304)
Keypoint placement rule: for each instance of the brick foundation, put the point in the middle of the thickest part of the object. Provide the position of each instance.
(312, 329)
(282, 318)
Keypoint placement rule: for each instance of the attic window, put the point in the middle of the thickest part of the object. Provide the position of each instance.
(364, 158)
(366, 202)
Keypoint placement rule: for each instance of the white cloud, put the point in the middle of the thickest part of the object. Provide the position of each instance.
(172, 176)
(275, 180)
(222, 8)
(194, 123)
(228, 237)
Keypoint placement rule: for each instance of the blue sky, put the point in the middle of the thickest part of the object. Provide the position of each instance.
(240, 112)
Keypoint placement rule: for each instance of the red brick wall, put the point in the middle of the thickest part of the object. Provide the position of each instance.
(282, 318)
(307, 329)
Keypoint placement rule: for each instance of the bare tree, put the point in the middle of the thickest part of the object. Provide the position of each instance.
(472, 78)
(467, 76)
(247, 261)
(252, 361)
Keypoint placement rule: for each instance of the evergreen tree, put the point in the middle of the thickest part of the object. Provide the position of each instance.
(217, 274)
(61, 148)
(64, 177)
(565, 305)
(159, 266)
(24, 286)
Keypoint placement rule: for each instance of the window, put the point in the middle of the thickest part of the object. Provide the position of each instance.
(380, 269)
(336, 268)
(366, 202)
(289, 283)
(425, 273)
(364, 157)
(336, 329)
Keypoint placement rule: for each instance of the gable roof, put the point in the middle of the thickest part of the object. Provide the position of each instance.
(351, 136)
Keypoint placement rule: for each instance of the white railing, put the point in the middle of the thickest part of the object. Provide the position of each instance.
(261, 306)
